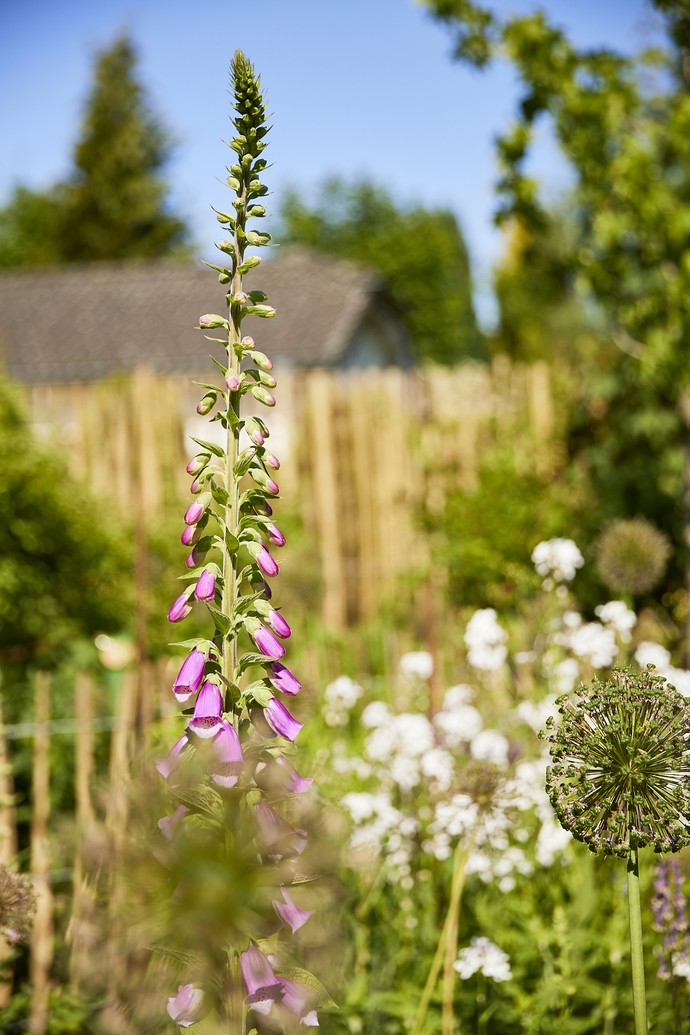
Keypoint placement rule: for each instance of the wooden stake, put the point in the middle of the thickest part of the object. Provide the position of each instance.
(42, 933)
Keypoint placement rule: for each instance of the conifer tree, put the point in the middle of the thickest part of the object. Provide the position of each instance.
(114, 206)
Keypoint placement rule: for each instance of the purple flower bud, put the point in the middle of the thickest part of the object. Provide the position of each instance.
(180, 608)
(266, 563)
(198, 463)
(205, 588)
(167, 766)
(257, 437)
(274, 534)
(206, 720)
(207, 403)
(229, 759)
(187, 1007)
(263, 395)
(190, 534)
(267, 643)
(239, 297)
(261, 359)
(278, 624)
(290, 913)
(279, 719)
(167, 824)
(247, 342)
(190, 676)
(193, 512)
(195, 487)
(264, 480)
(209, 320)
(232, 381)
(263, 987)
(192, 560)
(272, 461)
(283, 679)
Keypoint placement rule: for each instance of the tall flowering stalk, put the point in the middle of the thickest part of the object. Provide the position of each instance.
(620, 781)
(232, 843)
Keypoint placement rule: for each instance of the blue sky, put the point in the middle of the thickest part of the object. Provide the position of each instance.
(358, 88)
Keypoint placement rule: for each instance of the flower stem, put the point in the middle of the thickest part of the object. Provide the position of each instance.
(636, 956)
(446, 948)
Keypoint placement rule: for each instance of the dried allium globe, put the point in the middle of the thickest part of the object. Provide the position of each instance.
(631, 556)
(620, 773)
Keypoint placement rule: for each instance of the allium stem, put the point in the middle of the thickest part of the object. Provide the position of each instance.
(636, 955)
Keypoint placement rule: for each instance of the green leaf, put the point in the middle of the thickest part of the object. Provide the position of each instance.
(219, 494)
(306, 979)
(221, 620)
(211, 447)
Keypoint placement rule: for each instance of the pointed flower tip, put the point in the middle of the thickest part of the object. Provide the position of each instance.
(180, 609)
(267, 643)
(267, 564)
(283, 679)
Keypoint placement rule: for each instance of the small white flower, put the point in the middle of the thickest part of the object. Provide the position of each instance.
(375, 714)
(340, 696)
(566, 675)
(456, 696)
(535, 714)
(483, 956)
(490, 746)
(594, 643)
(558, 559)
(648, 653)
(438, 766)
(459, 726)
(485, 641)
(417, 665)
(618, 615)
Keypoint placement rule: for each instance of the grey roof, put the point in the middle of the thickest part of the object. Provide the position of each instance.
(81, 322)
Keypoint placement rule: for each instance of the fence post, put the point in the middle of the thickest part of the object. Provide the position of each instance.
(42, 933)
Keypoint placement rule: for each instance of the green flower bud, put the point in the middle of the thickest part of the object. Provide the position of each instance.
(262, 361)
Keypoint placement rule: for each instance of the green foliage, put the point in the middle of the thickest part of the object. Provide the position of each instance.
(627, 137)
(420, 252)
(29, 229)
(64, 565)
(113, 206)
(67, 1013)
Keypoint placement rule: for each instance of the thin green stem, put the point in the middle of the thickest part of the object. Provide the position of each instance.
(636, 955)
(446, 948)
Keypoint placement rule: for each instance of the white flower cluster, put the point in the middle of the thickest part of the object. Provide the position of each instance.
(485, 641)
(340, 698)
(649, 653)
(417, 666)
(379, 826)
(591, 642)
(617, 616)
(557, 559)
(484, 957)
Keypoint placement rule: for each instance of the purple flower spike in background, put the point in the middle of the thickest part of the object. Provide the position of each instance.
(267, 643)
(187, 1007)
(205, 588)
(190, 676)
(296, 784)
(283, 679)
(208, 709)
(263, 987)
(298, 1000)
(279, 719)
(180, 609)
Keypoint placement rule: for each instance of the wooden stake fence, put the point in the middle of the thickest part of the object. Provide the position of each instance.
(363, 452)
